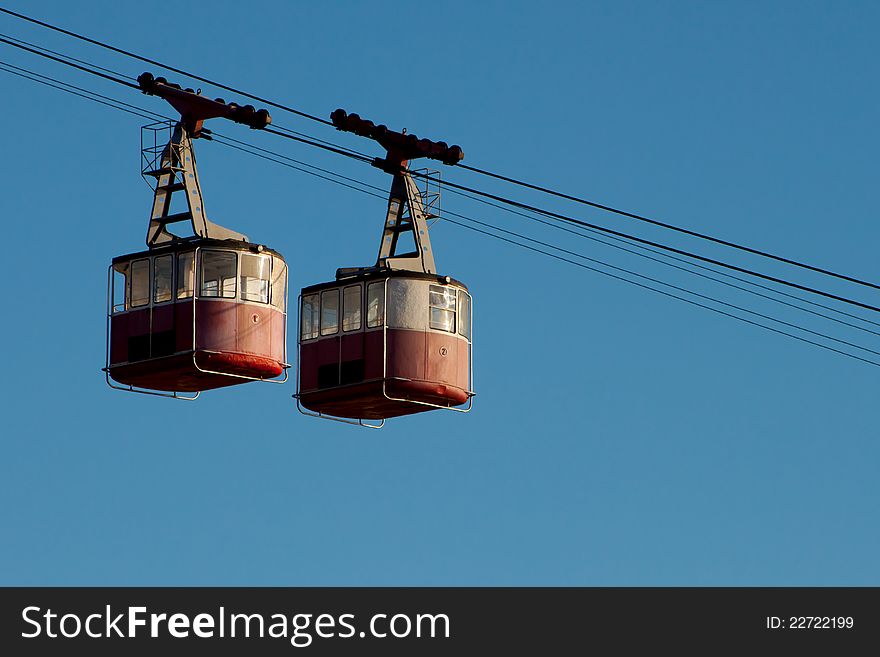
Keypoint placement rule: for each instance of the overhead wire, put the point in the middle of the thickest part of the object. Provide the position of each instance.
(675, 296)
(147, 60)
(512, 233)
(69, 63)
(668, 226)
(73, 89)
(68, 59)
(446, 215)
(663, 258)
(603, 229)
(318, 144)
(73, 59)
(484, 172)
(152, 116)
(321, 141)
(363, 158)
(670, 285)
(480, 171)
(665, 247)
(271, 155)
(283, 160)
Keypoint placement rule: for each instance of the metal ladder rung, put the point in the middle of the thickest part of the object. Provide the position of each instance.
(163, 171)
(174, 218)
(400, 228)
(173, 187)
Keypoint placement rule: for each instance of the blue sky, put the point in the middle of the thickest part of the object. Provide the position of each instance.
(619, 437)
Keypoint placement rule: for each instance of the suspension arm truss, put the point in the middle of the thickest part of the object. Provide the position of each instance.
(406, 211)
(176, 170)
(177, 173)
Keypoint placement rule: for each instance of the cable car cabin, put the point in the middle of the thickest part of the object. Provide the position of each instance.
(384, 344)
(201, 312)
(395, 338)
(197, 314)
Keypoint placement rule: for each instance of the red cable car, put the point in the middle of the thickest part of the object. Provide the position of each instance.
(193, 313)
(393, 339)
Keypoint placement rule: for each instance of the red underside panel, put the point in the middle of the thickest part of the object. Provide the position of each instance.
(366, 400)
(179, 373)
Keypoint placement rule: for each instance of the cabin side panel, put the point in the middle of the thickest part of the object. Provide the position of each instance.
(308, 367)
(406, 354)
(254, 331)
(119, 338)
(130, 336)
(216, 325)
(183, 324)
(278, 337)
(374, 354)
(447, 357)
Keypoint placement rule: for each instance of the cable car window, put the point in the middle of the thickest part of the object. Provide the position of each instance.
(120, 287)
(375, 304)
(185, 274)
(351, 308)
(140, 283)
(162, 279)
(309, 317)
(442, 302)
(255, 277)
(329, 312)
(218, 274)
(279, 283)
(464, 314)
